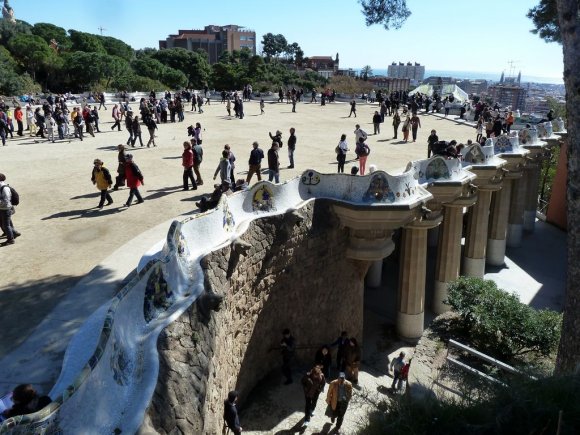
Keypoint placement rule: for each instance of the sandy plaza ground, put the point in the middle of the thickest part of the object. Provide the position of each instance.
(64, 234)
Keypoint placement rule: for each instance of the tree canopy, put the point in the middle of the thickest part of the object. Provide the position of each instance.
(389, 13)
(545, 19)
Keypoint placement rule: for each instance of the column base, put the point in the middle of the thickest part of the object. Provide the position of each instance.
(375, 274)
(474, 267)
(439, 295)
(514, 235)
(410, 326)
(529, 221)
(495, 253)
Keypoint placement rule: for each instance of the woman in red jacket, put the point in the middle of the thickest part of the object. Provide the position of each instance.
(187, 160)
(134, 180)
(18, 115)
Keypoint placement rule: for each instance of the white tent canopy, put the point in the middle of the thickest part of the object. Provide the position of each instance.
(446, 90)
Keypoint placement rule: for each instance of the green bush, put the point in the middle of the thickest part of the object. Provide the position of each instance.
(497, 322)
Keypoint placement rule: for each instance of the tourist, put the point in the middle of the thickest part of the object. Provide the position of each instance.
(229, 108)
(88, 118)
(431, 141)
(136, 128)
(396, 122)
(352, 357)
(396, 365)
(291, 147)
(415, 125)
(479, 129)
(39, 121)
(101, 177)
(497, 126)
(352, 108)
(255, 161)
(341, 150)
(102, 101)
(509, 121)
(95, 116)
(323, 358)
(134, 180)
(262, 106)
(447, 106)
(151, 127)
(26, 401)
(197, 133)
(79, 123)
(120, 178)
(194, 103)
(277, 138)
(313, 384)
(405, 128)
(197, 159)
(50, 126)
(362, 151)
(211, 201)
(231, 413)
(224, 169)
(18, 115)
(232, 159)
(341, 342)
(199, 103)
(3, 127)
(338, 397)
(377, 122)
(488, 127)
(30, 125)
(288, 347)
(116, 117)
(240, 109)
(273, 163)
(6, 212)
(404, 374)
(129, 127)
(293, 104)
(187, 160)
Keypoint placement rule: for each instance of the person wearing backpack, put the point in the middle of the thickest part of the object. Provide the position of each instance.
(362, 150)
(8, 199)
(101, 177)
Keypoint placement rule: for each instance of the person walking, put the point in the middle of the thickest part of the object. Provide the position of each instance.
(255, 162)
(79, 124)
(431, 141)
(362, 151)
(396, 365)
(134, 180)
(405, 129)
(396, 122)
(273, 163)
(288, 348)
(120, 178)
(7, 203)
(231, 418)
(232, 159)
(18, 115)
(136, 127)
(129, 127)
(377, 122)
(224, 169)
(323, 359)
(338, 397)
(101, 177)
(415, 125)
(151, 127)
(102, 101)
(352, 357)
(341, 150)
(197, 159)
(187, 160)
(262, 105)
(352, 108)
(313, 384)
(116, 113)
(291, 147)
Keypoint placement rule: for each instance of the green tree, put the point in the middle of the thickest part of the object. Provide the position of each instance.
(146, 66)
(173, 78)
(86, 42)
(389, 13)
(50, 32)
(366, 72)
(192, 64)
(274, 45)
(116, 47)
(32, 51)
(545, 19)
(9, 30)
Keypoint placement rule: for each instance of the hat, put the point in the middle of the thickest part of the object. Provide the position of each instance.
(100, 162)
(341, 375)
(129, 156)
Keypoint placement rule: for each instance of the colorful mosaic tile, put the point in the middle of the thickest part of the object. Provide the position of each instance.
(263, 199)
(311, 178)
(158, 295)
(474, 155)
(502, 145)
(229, 222)
(379, 190)
(437, 169)
(120, 364)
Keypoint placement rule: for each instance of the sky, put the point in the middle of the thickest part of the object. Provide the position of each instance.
(452, 35)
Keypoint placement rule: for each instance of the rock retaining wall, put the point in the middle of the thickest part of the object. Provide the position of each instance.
(294, 275)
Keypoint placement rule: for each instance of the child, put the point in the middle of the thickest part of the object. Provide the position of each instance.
(50, 124)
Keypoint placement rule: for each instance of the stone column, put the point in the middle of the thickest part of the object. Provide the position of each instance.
(375, 274)
(498, 222)
(516, 216)
(412, 269)
(476, 237)
(532, 173)
(448, 254)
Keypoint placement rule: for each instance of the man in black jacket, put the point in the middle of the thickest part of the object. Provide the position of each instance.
(231, 413)
(256, 156)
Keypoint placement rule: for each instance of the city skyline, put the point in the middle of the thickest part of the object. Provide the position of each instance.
(440, 35)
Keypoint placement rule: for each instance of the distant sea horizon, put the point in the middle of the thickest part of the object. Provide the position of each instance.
(474, 75)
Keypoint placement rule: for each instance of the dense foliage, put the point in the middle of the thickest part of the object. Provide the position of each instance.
(47, 57)
(497, 323)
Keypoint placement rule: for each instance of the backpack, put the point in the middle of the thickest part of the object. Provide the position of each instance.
(15, 197)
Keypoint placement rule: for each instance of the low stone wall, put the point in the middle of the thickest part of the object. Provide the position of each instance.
(294, 275)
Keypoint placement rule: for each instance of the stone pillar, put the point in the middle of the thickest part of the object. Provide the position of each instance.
(412, 270)
(532, 173)
(375, 274)
(448, 254)
(476, 237)
(516, 215)
(498, 222)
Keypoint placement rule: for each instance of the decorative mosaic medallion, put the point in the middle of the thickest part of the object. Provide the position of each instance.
(158, 295)
(263, 199)
(437, 169)
(228, 220)
(379, 190)
(502, 145)
(475, 155)
(310, 178)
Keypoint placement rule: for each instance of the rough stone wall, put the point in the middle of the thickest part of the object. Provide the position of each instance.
(295, 276)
